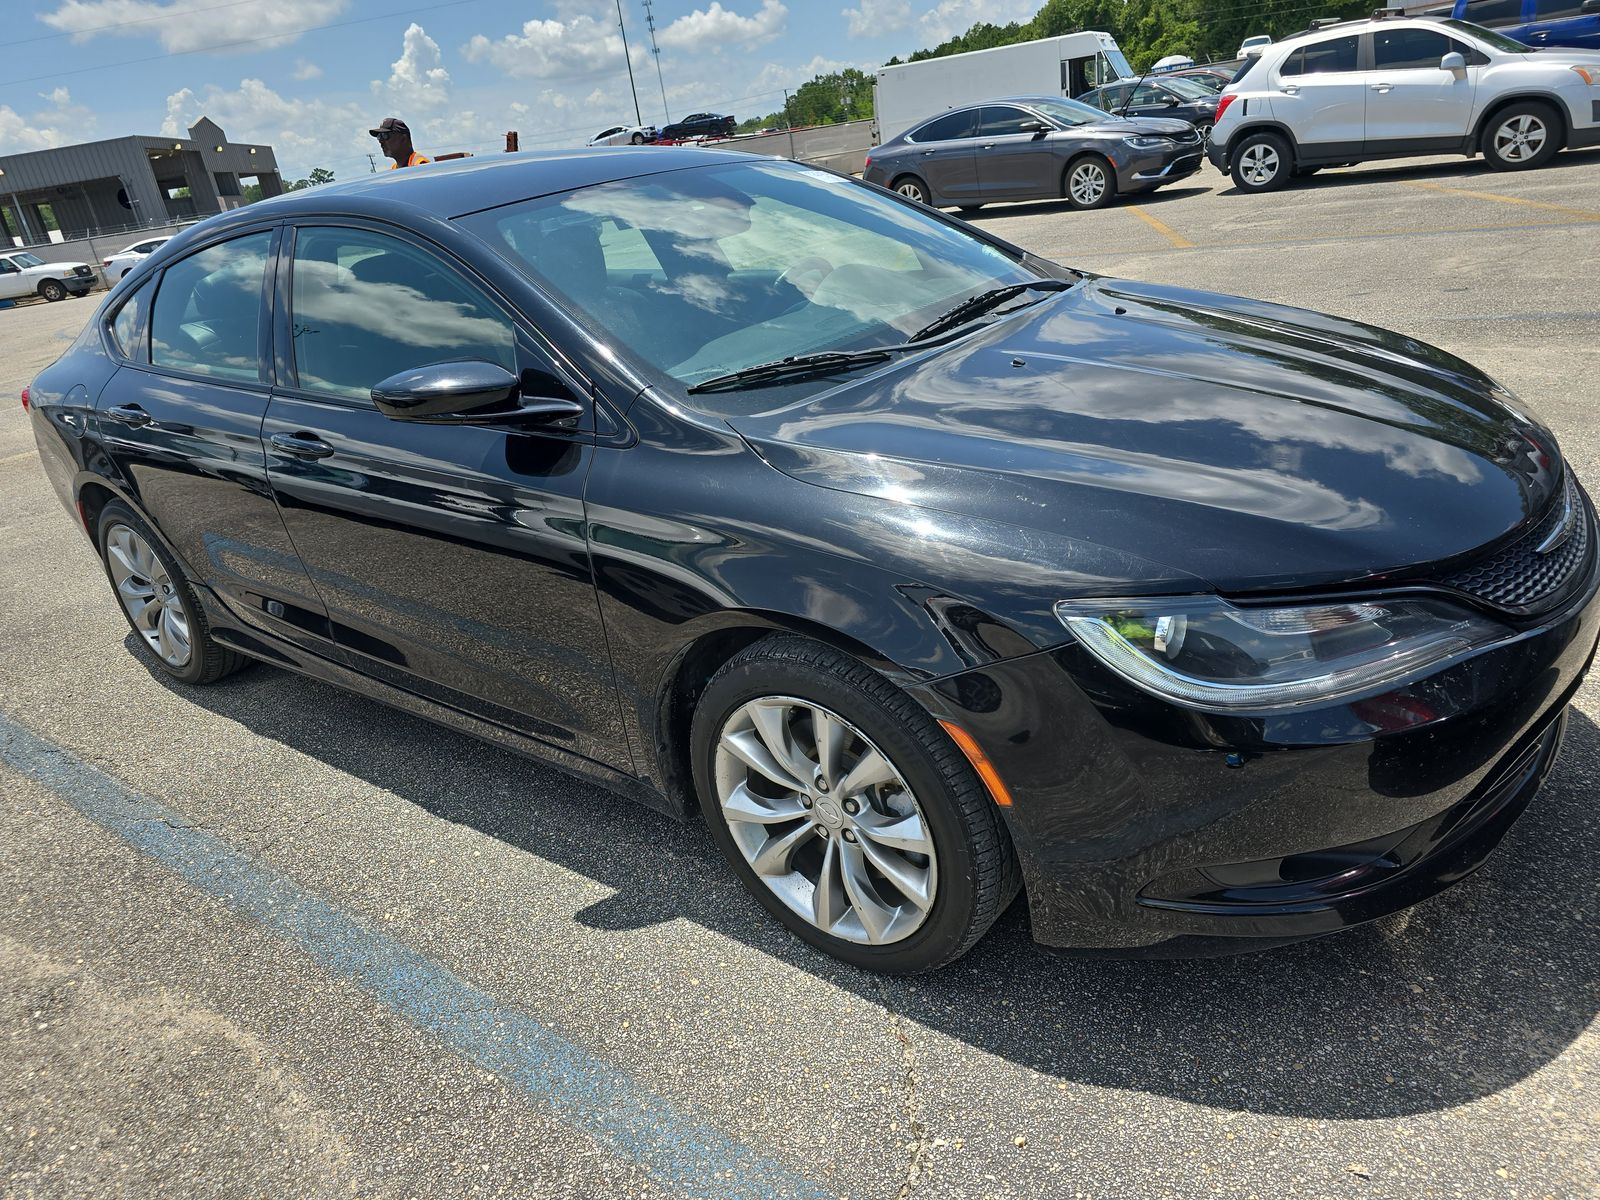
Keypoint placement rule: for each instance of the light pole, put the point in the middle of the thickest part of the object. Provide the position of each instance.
(637, 115)
(655, 51)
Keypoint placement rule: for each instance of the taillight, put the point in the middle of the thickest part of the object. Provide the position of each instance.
(1222, 105)
(107, 263)
(868, 163)
(26, 399)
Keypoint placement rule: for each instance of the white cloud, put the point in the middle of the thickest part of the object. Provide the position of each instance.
(62, 123)
(716, 27)
(303, 133)
(305, 69)
(552, 50)
(945, 20)
(182, 25)
(873, 17)
(416, 78)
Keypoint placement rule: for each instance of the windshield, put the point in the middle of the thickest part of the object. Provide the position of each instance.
(24, 259)
(1067, 112)
(1488, 37)
(1187, 88)
(702, 272)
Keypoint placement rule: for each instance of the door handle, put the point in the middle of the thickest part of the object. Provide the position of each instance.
(927, 153)
(130, 414)
(988, 145)
(1382, 87)
(300, 445)
(1292, 89)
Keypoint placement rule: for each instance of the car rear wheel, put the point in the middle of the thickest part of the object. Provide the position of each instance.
(1090, 183)
(912, 188)
(1521, 137)
(1262, 163)
(53, 290)
(158, 602)
(846, 810)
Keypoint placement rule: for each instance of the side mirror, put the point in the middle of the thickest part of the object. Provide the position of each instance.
(464, 392)
(1454, 61)
(1171, 102)
(1041, 127)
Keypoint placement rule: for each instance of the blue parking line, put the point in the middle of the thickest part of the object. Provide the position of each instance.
(554, 1072)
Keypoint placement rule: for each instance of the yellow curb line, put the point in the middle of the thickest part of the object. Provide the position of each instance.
(1179, 242)
(1585, 213)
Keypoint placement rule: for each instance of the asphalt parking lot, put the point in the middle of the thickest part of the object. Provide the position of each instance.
(268, 939)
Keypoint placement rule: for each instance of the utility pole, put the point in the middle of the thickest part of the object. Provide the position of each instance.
(372, 164)
(637, 115)
(789, 121)
(655, 51)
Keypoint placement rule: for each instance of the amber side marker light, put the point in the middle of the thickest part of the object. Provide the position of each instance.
(980, 763)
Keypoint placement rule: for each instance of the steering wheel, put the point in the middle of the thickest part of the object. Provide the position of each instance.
(807, 274)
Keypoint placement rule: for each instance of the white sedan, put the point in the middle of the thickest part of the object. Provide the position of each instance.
(129, 257)
(623, 135)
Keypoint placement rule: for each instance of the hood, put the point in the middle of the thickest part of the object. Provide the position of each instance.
(53, 268)
(1123, 126)
(1251, 445)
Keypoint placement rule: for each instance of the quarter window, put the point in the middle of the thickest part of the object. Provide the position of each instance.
(946, 128)
(1323, 58)
(367, 306)
(127, 327)
(207, 315)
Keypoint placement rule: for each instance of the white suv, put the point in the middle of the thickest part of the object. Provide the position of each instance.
(1400, 87)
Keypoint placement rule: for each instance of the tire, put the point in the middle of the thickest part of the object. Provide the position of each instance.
(923, 790)
(141, 572)
(1262, 163)
(1089, 182)
(1521, 136)
(53, 290)
(911, 188)
(637, 139)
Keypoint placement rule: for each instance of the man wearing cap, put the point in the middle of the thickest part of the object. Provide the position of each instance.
(394, 139)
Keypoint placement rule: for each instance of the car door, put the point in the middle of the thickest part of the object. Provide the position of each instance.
(1414, 104)
(1321, 95)
(1150, 99)
(12, 283)
(1014, 163)
(452, 557)
(1563, 23)
(944, 153)
(181, 423)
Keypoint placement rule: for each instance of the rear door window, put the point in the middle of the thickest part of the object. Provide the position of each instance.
(1323, 58)
(207, 316)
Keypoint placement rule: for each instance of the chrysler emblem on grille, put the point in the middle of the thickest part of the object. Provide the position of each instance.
(1558, 536)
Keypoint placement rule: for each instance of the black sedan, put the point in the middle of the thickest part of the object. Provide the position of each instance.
(1033, 148)
(924, 569)
(1185, 99)
(699, 125)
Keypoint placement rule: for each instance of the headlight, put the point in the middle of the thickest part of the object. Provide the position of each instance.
(1204, 653)
(1591, 75)
(1148, 143)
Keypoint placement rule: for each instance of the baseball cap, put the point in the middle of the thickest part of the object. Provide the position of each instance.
(390, 125)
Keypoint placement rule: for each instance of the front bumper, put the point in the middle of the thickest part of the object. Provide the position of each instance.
(1140, 825)
(1141, 171)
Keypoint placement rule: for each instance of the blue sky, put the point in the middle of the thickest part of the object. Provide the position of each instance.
(311, 76)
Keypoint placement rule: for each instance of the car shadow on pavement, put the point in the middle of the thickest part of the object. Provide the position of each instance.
(1045, 208)
(1460, 998)
(1432, 171)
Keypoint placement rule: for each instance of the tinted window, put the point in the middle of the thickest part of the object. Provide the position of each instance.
(942, 129)
(127, 327)
(1408, 49)
(1549, 10)
(999, 120)
(1148, 95)
(1494, 12)
(1322, 58)
(1499, 41)
(207, 315)
(7, 267)
(1111, 98)
(367, 306)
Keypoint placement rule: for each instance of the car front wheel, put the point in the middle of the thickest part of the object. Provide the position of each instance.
(1262, 163)
(846, 810)
(1090, 183)
(53, 290)
(1521, 137)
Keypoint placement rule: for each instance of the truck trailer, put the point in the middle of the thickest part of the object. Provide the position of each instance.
(909, 93)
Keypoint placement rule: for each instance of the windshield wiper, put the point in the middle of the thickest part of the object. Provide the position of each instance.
(795, 367)
(983, 302)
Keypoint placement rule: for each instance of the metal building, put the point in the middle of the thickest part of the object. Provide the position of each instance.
(129, 183)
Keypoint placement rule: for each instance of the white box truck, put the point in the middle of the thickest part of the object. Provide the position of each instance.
(1069, 65)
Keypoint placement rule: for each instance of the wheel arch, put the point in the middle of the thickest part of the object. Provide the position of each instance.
(1262, 126)
(1549, 99)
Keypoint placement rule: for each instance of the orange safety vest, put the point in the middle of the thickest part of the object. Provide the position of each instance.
(416, 160)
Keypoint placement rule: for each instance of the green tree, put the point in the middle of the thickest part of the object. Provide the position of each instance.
(318, 176)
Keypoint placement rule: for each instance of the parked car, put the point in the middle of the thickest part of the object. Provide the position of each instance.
(924, 569)
(1534, 22)
(1181, 98)
(699, 125)
(1253, 45)
(124, 260)
(1213, 79)
(24, 274)
(623, 135)
(1033, 148)
(1390, 88)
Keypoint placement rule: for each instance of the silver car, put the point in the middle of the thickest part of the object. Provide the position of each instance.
(1033, 148)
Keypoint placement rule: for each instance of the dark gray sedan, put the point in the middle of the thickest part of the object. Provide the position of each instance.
(1033, 148)
(1168, 96)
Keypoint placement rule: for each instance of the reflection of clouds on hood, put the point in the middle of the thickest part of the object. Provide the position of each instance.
(328, 294)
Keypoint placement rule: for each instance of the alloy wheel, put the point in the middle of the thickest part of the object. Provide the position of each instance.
(912, 190)
(1520, 138)
(1260, 163)
(149, 595)
(1088, 183)
(825, 820)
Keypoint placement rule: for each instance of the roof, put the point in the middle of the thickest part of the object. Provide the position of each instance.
(468, 185)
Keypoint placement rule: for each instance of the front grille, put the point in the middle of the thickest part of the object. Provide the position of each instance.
(1522, 581)
(1190, 162)
(80, 270)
